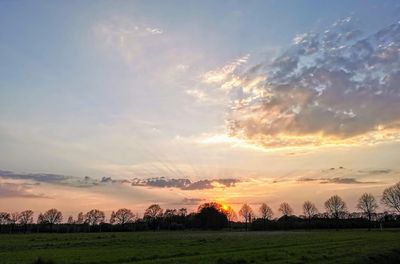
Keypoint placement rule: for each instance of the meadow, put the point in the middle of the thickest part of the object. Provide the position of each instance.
(220, 247)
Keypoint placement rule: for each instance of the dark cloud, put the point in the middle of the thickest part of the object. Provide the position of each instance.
(50, 178)
(337, 84)
(19, 190)
(184, 184)
(39, 177)
(160, 182)
(337, 180)
(380, 171)
(344, 181)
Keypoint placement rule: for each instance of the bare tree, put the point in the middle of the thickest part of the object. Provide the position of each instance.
(153, 211)
(80, 219)
(230, 213)
(247, 213)
(94, 217)
(4, 219)
(25, 218)
(70, 220)
(309, 210)
(51, 217)
(266, 213)
(153, 214)
(368, 205)
(335, 207)
(182, 212)
(14, 217)
(40, 219)
(123, 216)
(391, 197)
(285, 209)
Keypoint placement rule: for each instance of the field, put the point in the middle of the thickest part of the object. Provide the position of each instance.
(344, 246)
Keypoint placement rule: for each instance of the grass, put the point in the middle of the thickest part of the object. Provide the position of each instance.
(345, 246)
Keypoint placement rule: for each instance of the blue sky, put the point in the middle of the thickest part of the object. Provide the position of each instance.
(141, 89)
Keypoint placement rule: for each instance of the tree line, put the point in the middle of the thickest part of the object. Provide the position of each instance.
(215, 216)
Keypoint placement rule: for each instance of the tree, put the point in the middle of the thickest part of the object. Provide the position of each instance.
(285, 209)
(70, 220)
(14, 218)
(50, 217)
(335, 207)
(212, 216)
(266, 213)
(230, 213)
(247, 213)
(182, 212)
(153, 211)
(391, 197)
(4, 219)
(80, 219)
(309, 210)
(25, 218)
(368, 205)
(94, 217)
(153, 214)
(123, 216)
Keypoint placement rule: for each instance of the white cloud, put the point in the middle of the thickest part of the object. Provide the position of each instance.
(329, 88)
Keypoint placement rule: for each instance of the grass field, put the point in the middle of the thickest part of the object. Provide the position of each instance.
(204, 247)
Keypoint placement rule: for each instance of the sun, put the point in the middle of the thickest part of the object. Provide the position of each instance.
(225, 207)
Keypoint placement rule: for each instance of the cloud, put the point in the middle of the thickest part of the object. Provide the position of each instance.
(332, 87)
(50, 178)
(24, 190)
(159, 182)
(191, 201)
(335, 180)
(39, 177)
(341, 175)
(184, 184)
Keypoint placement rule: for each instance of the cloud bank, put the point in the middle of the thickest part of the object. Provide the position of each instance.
(184, 184)
(158, 182)
(332, 87)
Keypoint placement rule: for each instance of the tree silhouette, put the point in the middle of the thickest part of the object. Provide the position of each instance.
(391, 197)
(309, 210)
(182, 212)
(70, 220)
(80, 219)
(4, 219)
(266, 213)
(335, 207)
(230, 214)
(122, 216)
(247, 213)
(368, 205)
(25, 218)
(50, 217)
(14, 218)
(94, 217)
(285, 209)
(152, 215)
(212, 216)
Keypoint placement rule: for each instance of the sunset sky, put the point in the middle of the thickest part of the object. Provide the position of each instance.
(111, 104)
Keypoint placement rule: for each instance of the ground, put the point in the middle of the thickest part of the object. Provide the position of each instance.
(343, 246)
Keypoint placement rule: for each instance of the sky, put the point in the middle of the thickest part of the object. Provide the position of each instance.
(112, 104)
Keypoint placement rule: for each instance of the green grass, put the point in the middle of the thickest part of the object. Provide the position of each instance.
(356, 246)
